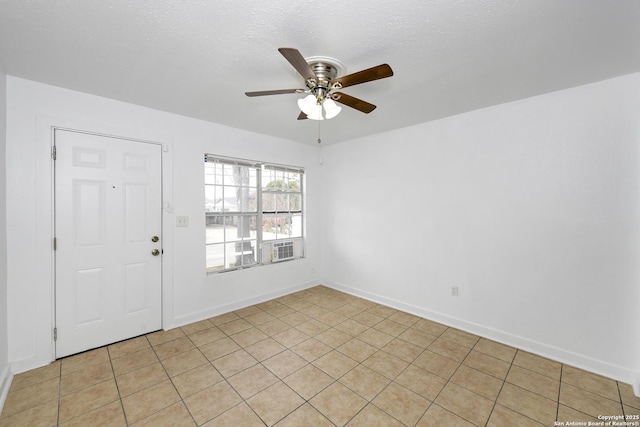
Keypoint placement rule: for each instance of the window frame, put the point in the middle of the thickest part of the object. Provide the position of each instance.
(259, 213)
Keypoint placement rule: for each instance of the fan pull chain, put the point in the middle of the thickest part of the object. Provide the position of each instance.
(319, 140)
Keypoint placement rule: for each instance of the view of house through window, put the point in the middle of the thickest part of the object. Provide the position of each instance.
(251, 206)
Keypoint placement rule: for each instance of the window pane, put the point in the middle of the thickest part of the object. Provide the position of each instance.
(281, 226)
(241, 227)
(215, 257)
(214, 229)
(240, 254)
(296, 225)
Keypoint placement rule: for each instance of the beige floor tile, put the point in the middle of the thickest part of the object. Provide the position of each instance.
(35, 376)
(502, 416)
(31, 396)
(402, 403)
(184, 362)
(338, 403)
(206, 336)
(312, 327)
(196, 380)
(148, 401)
(248, 337)
(351, 327)
(218, 349)
(84, 360)
(260, 318)
(430, 327)
(532, 381)
(459, 337)
(466, 404)
(404, 318)
(386, 364)
(134, 361)
(375, 338)
(82, 378)
(417, 337)
(367, 318)
(142, 378)
(306, 415)
(211, 402)
(308, 381)
(290, 337)
(436, 416)
(478, 382)
(382, 310)
(123, 348)
(597, 384)
(233, 363)
(487, 364)
(316, 311)
(174, 347)
(294, 319)
(335, 363)
(437, 364)
(235, 326)
(87, 399)
(529, 404)
(538, 364)
(424, 383)
(252, 381)
(265, 349)
(357, 350)
(284, 364)
(248, 311)
(495, 349)
(240, 415)
(390, 327)
(449, 349)
(364, 381)
(275, 403)
(628, 397)
(372, 416)
(192, 328)
(161, 337)
(629, 410)
(274, 327)
(224, 318)
(566, 414)
(587, 402)
(108, 415)
(333, 337)
(332, 318)
(175, 415)
(311, 349)
(403, 349)
(45, 414)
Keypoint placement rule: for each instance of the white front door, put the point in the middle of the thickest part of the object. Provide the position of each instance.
(108, 255)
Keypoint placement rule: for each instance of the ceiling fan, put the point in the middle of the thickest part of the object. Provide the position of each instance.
(323, 85)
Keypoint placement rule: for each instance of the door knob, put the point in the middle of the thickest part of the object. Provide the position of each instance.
(155, 252)
(155, 239)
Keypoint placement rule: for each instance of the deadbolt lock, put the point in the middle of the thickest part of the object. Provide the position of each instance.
(155, 239)
(155, 252)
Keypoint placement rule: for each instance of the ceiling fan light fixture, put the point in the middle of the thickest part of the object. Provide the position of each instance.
(309, 106)
(331, 109)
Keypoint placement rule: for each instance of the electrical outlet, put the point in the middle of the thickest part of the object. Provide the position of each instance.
(182, 221)
(454, 291)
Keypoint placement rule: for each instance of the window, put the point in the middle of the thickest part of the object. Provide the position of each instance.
(250, 207)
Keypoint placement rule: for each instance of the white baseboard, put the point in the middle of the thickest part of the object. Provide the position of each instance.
(6, 377)
(226, 308)
(558, 354)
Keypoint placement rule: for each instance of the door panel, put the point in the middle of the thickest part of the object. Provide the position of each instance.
(107, 209)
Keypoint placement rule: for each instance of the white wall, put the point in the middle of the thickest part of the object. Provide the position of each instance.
(5, 371)
(188, 293)
(531, 208)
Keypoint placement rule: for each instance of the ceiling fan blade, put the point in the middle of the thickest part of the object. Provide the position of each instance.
(302, 116)
(353, 102)
(274, 92)
(296, 59)
(370, 74)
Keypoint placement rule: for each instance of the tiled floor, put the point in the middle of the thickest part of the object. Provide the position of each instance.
(314, 358)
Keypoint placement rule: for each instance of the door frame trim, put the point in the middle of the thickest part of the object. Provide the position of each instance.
(164, 304)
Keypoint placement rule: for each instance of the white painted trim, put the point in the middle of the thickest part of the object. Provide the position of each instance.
(222, 309)
(563, 356)
(6, 378)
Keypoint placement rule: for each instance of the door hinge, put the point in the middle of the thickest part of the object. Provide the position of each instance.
(55, 243)
(53, 152)
(55, 334)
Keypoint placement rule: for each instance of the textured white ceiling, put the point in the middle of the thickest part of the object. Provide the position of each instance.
(197, 58)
